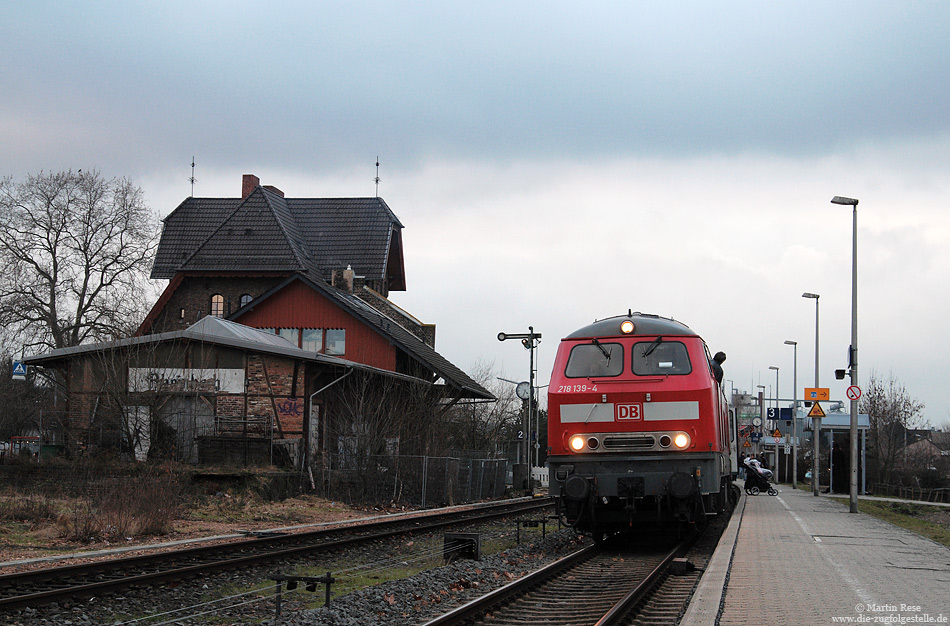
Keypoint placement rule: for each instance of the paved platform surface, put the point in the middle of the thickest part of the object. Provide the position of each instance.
(800, 560)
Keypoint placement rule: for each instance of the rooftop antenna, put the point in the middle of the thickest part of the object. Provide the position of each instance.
(377, 176)
(192, 179)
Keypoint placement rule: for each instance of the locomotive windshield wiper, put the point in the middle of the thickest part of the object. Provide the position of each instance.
(653, 346)
(602, 349)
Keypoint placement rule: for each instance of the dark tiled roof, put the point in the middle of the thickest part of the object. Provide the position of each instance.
(186, 228)
(347, 231)
(259, 235)
(266, 232)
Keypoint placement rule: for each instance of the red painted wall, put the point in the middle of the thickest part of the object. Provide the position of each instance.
(299, 306)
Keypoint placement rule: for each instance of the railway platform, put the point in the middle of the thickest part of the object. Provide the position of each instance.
(800, 560)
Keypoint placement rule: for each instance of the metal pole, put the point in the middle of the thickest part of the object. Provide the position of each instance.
(794, 344)
(527, 430)
(854, 359)
(778, 417)
(816, 429)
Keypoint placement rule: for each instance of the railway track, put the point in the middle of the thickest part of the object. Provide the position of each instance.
(42, 586)
(597, 585)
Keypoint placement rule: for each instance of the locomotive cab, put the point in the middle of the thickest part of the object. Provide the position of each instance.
(638, 426)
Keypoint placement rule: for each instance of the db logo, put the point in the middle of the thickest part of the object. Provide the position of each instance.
(629, 411)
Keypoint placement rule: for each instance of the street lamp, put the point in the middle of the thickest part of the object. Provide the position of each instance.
(854, 346)
(778, 416)
(794, 344)
(761, 426)
(816, 428)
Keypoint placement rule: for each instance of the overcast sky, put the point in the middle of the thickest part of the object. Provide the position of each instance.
(553, 163)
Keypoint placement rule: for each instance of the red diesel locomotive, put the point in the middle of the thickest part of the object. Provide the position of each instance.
(638, 427)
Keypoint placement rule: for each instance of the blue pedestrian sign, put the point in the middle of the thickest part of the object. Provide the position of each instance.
(19, 370)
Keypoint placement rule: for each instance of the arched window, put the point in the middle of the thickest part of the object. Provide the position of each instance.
(217, 305)
(246, 299)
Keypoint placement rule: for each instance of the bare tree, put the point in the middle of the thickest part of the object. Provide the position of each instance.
(487, 426)
(76, 249)
(892, 412)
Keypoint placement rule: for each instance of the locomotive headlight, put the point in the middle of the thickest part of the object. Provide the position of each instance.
(681, 440)
(626, 327)
(577, 443)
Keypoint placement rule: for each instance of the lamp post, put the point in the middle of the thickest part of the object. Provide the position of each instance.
(761, 393)
(816, 429)
(778, 416)
(530, 341)
(794, 344)
(853, 360)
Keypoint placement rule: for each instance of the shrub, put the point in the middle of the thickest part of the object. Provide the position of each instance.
(30, 509)
(124, 506)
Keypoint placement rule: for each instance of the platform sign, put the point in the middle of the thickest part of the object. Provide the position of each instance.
(816, 393)
(19, 370)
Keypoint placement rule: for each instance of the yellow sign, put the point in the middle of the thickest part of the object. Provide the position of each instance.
(747, 444)
(816, 411)
(816, 393)
(777, 433)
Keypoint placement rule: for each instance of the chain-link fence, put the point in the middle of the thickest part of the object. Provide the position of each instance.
(415, 480)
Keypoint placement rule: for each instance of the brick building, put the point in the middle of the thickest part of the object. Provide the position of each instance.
(271, 303)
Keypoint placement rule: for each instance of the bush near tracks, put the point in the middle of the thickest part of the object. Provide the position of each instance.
(59, 503)
(88, 503)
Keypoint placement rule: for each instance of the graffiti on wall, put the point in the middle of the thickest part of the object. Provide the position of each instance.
(289, 408)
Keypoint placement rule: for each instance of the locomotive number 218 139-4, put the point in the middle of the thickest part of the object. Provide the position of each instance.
(575, 388)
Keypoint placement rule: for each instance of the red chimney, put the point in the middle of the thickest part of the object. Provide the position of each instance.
(249, 183)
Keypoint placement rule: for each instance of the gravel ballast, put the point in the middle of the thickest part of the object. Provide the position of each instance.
(412, 601)
(406, 601)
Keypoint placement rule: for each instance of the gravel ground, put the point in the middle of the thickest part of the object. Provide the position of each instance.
(401, 602)
(415, 600)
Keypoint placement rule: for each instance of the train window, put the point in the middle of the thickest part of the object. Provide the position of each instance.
(652, 358)
(595, 359)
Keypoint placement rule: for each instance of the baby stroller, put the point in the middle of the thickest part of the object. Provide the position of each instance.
(757, 480)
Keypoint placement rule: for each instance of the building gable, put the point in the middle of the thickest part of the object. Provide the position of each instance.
(256, 236)
(296, 305)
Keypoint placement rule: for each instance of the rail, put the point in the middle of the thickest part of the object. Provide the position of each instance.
(36, 587)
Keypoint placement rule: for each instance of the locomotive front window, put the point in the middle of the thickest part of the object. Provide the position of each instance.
(660, 358)
(595, 359)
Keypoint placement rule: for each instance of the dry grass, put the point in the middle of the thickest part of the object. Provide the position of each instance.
(146, 508)
(932, 522)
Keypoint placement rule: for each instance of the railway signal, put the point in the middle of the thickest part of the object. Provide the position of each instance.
(530, 341)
